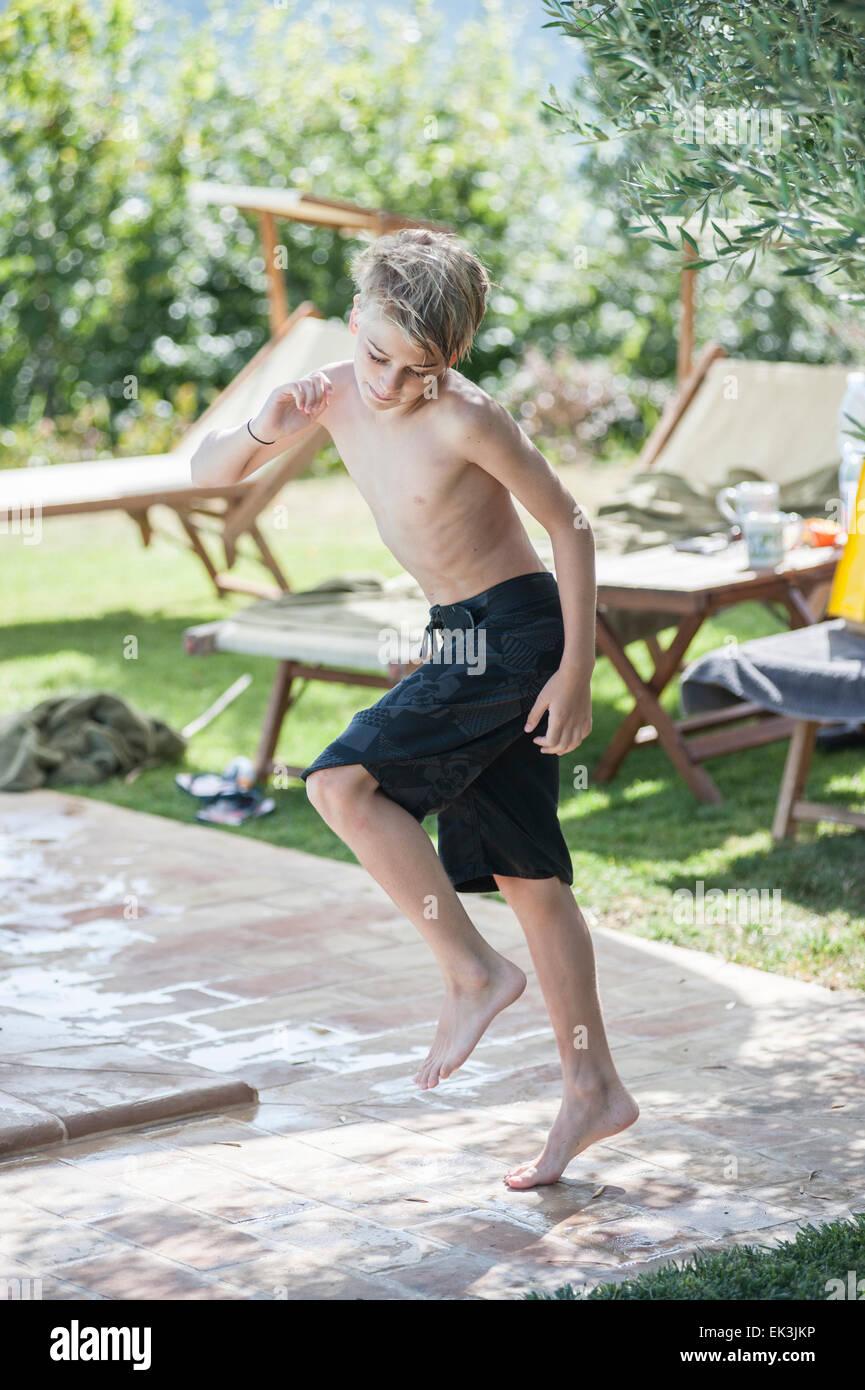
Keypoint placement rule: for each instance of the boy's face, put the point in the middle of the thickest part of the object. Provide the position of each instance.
(391, 371)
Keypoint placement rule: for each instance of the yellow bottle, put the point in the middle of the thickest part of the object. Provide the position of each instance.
(847, 599)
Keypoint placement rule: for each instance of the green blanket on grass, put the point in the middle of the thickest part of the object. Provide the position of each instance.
(85, 737)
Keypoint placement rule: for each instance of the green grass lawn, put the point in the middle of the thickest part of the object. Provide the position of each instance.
(802, 1268)
(72, 602)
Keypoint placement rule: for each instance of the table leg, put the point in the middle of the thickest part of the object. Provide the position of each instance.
(279, 702)
(800, 610)
(649, 710)
(666, 664)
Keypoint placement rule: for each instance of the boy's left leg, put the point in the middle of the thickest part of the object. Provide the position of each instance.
(595, 1102)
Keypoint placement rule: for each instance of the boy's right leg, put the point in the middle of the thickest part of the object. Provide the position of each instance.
(396, 850)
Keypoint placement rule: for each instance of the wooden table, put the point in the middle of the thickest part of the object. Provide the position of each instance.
(691, 588)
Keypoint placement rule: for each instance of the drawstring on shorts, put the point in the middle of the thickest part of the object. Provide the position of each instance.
(436, 623)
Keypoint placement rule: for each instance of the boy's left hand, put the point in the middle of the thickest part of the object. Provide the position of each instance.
(567, 697)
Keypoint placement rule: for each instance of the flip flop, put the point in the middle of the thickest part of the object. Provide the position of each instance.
(236, 808)
(206, 786)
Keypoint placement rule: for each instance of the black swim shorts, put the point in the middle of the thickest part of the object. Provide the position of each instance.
(449, 738)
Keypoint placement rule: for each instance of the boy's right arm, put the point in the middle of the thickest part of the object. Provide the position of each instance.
(290, 413)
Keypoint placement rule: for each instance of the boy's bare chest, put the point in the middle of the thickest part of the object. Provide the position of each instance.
(403, 477)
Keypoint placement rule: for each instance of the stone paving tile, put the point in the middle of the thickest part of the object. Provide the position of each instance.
(335, 1088)
(203, 1130)
(764, 1238)
(540, 1208)
(381, 1142)
(156, 1037)
(661, 1138)
(487, 1234)
(819, 1201)
(17, 1278)
(719, 1212)
(630, 1239)
(339, 1179)
(325, 1008)
(110, 1155)
(704, 1088)
(28, 1033)
(294, 1274)
(693, 1020)
(281, 1117)
(375, 989)
(461, 1127)
(832, 1154)
(26, 1236)
(626, 994)
(446, 1276)
(405, 1204)
(197, 1188)
(62, 1190)
(139, 1274)
(187, 1237)
(350, 1241)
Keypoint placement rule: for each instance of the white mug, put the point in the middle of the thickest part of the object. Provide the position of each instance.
(735, 502)
(768, 536)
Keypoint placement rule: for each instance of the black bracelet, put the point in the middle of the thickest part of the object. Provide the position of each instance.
(256, 438)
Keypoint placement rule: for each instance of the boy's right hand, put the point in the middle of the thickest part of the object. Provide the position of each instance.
(292, 407)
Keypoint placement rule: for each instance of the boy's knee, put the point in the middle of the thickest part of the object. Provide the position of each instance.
(332, 790)
(319, 787)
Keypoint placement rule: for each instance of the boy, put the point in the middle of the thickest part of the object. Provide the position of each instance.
(438, 462)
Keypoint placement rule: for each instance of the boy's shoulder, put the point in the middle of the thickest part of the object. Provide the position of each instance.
(339, 372)
(466, 404)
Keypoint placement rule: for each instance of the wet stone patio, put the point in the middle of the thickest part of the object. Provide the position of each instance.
(206, 1053)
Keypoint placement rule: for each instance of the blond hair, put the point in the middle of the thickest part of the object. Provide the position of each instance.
(428, 285)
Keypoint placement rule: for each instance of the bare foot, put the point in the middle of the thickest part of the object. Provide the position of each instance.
(580, 1122)
(467, 1013)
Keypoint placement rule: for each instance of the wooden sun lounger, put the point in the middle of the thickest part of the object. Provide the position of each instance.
(357, 638)
(135, 485)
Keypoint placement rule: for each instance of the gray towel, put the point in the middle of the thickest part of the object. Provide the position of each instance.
(815, 672)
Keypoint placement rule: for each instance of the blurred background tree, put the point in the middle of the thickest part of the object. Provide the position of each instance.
(124, 306)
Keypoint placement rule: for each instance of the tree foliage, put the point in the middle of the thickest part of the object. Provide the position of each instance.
(733, 110)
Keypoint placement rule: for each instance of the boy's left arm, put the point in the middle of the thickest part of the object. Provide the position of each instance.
(493, 440)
